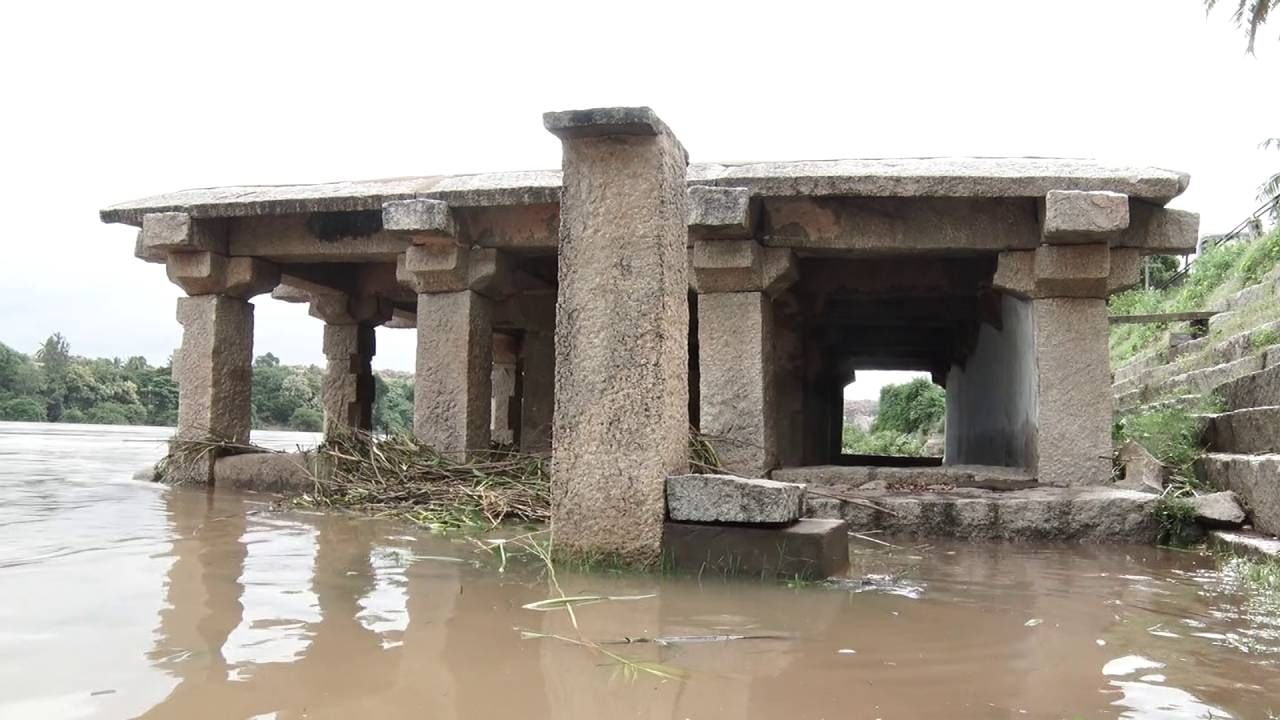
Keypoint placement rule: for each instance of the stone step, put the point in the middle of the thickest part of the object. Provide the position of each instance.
(1251, 295)
(1189, 347)
(1258, 389)
(1254, 478)
(1131, 369)
(987, 477)
(1245, 542)
(1206, 379)
(1237, 347)
(1177, 402)
(730, 499)
(1087, 514)
(809, 549)
(1252, 430)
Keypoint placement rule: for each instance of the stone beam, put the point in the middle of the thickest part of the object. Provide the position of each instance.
(518, 228)
(290, 239)
(900, 225)
(1160, 231)
(622, 384)
(1072, 216)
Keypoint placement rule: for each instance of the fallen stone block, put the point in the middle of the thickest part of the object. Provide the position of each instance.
(283, 473)
(806, 549)
(1142, 470)
(1255, 479)
(730, 499)
(1219, 510)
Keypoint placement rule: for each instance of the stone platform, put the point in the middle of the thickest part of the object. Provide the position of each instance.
(1092, 514)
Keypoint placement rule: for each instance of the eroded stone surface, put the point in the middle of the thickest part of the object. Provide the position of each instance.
(1252, 430)
(807, 549)
(736, 379)
(451, 402)
(621, 393)
(719, 211)
(1142, 470)
(726, 498)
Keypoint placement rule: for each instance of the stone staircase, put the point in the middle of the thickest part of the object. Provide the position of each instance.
(1235, 368)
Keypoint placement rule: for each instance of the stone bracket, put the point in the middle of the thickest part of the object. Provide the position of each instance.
(740, 266)
(440, 265)
(208, 273)
(1072, 216)
(719, 211)
(342, 309)
(419, 217)
(179, 232)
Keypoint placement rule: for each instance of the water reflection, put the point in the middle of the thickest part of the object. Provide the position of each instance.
(126, 600)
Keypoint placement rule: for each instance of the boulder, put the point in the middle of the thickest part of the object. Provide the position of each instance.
(284, 473)
(1142, 470)
(730, 499)
(1219, 510)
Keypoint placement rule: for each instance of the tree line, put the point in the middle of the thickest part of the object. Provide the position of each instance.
(53, 385)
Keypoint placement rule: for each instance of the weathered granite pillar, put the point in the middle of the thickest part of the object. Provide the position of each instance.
(622, 321)
(1074, 396)
(735, 279)
(214, 368)
(537, 384)
(347, 392)
(454, 281)
(451, 408)
(503, 382)
(1068, 278)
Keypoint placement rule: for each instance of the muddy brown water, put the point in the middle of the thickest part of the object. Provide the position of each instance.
(124, 599)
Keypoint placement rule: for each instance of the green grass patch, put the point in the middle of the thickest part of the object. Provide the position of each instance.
(1173, 435)
(1177, 519)
(1218, 272)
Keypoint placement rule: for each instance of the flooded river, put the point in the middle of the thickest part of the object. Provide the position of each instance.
(124, 599)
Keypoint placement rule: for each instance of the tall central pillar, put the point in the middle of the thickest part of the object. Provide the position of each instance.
(348, 389)
(621, 420)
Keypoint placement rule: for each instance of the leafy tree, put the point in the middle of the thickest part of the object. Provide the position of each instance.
(22, 409)
(1249, 16)
(306, 419)
(54, 357)
(266, 361)
(913, 408)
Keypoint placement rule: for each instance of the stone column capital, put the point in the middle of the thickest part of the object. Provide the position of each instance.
(1082, 271)
(420, 218)
(209, 273)
(719, 212)
(440, 265)
(343, 309)
(740, 266)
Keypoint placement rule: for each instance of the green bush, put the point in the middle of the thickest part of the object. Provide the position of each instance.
(110, 413)
(914, 408)
(306, 419)
(884, 442)
(23, 409)
(1177, 519)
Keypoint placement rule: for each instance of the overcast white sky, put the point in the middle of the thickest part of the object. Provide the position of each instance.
(105, 102)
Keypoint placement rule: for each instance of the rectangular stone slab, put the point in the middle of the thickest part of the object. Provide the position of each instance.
(807, 549)
(730, 499)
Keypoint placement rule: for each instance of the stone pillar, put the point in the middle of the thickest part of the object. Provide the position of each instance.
(451, 408)
(503, 381)
(1074, 391)
(1068, 278)
(214, 368)
(538, 384)
(735, 279)
(347, 393)
(455, 283)
(622, 321)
